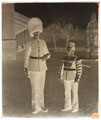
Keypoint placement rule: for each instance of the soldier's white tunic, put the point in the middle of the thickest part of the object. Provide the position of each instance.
(35, 48)
(37, 70)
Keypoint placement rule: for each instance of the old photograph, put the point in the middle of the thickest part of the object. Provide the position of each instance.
(50, 60)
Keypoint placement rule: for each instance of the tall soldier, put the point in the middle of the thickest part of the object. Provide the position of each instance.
(36, 54)
(71, 71)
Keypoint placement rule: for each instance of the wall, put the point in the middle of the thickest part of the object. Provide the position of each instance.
(8, 32)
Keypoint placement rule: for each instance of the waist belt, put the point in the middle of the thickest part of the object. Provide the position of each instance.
(36, 57)
(69, 69)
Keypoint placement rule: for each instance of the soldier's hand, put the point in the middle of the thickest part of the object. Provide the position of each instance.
(45, 57)
(26, 72)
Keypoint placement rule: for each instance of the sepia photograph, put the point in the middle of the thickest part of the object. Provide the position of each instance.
(50, 59)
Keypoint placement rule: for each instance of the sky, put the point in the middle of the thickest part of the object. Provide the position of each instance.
(76, 13)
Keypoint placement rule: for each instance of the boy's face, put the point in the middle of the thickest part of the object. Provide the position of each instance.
(70, 51)
(36, 35)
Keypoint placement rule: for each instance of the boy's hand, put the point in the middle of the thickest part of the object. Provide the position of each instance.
(77, 79)
(60, 80)
(26, 70)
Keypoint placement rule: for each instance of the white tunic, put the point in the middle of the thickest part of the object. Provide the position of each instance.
(35, 48)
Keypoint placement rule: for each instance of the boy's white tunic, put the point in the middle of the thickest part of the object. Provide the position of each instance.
(37, 70)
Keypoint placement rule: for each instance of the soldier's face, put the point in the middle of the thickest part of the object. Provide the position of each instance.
(36, 35)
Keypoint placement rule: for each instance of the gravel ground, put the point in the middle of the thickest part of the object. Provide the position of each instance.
(17, 90)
